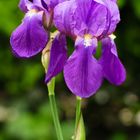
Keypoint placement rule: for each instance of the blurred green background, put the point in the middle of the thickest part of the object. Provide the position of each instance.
(112, 114)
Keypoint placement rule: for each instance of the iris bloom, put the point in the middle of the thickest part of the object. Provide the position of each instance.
(87, 22)
(32, 35)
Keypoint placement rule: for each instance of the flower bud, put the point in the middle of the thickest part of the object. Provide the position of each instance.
(45, 58)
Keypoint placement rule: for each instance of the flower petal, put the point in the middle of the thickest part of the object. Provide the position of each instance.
(90, 17)
(37, 4)
(58, 57)
(30, 37)
(112, 18)
(113, 69)
(63, 13)
(115, 15)
(114, 0)
(83, 74)
(44, 4)
(81, 17)
(24, 5)
(51, 3)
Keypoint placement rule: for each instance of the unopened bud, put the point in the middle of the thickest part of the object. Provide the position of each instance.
(46, 55)
(45, 58)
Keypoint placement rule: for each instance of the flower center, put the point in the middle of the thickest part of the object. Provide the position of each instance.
(32, 12)
(87, 40)
(112, 36)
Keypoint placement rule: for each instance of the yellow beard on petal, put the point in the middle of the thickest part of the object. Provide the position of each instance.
(87, 40)
(32, 12)
(112, 36)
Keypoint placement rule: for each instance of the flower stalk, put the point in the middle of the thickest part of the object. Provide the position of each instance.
(51, 87)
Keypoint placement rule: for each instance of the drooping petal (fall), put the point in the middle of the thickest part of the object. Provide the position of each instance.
(113, 69)
(30, 37)
(58, 56)
(82, 73)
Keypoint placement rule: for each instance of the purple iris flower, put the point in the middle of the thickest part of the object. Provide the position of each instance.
(30, 37)
(33, 35)
(87, 22)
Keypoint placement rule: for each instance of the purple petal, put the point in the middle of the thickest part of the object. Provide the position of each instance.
(90, 17)
(81, 17)
(113, 69)
(114, 0)
(63, 20)
(51, 3)
(115, 15)
(83, 74)
(112, 18)
(44, 4)
(23, 5)
(30, 37)
(58, 57)
(37, 4)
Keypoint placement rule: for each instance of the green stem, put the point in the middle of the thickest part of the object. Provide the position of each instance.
(51, 87)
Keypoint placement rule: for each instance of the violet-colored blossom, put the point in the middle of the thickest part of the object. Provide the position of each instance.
(30, 37)
(87, 22)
